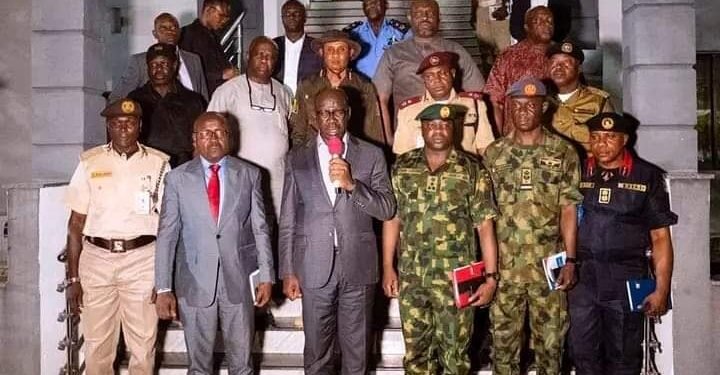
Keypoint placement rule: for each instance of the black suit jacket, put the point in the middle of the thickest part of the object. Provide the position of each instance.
(310, 62)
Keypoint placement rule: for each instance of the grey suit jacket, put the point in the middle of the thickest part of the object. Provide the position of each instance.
(308, 217)
(136, 75)
(192, 244)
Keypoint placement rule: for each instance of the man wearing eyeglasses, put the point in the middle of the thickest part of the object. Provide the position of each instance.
(200, 37)
(212, 236)
(261, 106)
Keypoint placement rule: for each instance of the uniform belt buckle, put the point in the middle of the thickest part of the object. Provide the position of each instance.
(118, 246)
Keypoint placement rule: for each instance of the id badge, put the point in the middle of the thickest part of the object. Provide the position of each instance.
(142, 203)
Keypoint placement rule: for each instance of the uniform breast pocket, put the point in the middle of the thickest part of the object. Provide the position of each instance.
(455, 188)
(505, 179)
(407, 183)
(547, 181)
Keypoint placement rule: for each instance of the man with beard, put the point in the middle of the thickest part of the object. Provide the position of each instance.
(395, 75)
(261, 106)
(200, 37)
(574, 103)
(524, 59)
(296, 60)
(337, 51)
(169, 109)
(536, 175)
(438, 72)
(189, 72)
(626, 211)
(375, 34)
(328, 251)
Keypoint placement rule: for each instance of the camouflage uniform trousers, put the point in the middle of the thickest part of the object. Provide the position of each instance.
(435, 331)
(548, 326)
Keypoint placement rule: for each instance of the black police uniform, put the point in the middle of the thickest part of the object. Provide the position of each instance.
(620, 209)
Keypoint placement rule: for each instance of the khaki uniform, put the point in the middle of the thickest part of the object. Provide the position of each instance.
(121, 198)
(569, 117)
(532, 185)
(476, 133)
(438, 212)
(365, 121)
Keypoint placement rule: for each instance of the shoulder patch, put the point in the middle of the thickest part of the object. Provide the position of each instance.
(410, 101)
(399, 25)
(471, 94)
(597, 91)
(93, 152)
(352, 26)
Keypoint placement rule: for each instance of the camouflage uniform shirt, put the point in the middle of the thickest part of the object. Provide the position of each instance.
(439, 210)
(532, 184)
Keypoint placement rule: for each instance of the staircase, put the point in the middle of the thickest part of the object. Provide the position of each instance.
(455, 15)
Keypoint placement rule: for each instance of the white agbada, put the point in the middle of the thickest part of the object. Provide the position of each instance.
(264, 138)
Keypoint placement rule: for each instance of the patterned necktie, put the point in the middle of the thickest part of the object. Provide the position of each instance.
(213, 191)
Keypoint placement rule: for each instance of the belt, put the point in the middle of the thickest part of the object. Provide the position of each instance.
(121, 246)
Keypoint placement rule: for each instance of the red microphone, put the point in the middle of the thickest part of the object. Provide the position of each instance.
(336, 148)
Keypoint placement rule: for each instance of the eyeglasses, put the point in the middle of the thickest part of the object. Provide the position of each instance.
(217, 133)
(338, 114)
(256, 107)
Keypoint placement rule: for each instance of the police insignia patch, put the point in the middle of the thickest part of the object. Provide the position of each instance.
(445, 112)
(604, 196)
(529, 89)
(127, 107)
(566, 47)
(607, 123)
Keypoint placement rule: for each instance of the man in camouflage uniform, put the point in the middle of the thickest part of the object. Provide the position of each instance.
(443, 195)
(337, 50)
(438, 72)
(535, 175)
(574, 103)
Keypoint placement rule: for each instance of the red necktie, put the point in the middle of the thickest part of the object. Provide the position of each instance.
(213, 191)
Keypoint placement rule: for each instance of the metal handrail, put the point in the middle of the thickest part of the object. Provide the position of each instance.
(233, 35)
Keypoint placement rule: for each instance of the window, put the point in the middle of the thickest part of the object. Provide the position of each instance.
(708, 110)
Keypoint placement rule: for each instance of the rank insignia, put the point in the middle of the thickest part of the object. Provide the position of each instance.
(566, 47)
(526, 179)
(607, 123)
(604, 196)
(445, 112)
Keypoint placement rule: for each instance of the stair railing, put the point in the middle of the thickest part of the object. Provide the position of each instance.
(232, 41)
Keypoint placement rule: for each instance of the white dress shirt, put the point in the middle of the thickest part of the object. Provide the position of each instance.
(292, 62)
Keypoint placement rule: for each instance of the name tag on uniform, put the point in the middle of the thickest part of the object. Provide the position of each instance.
(587, 185)
(142, 203)
(604, 196)
(636, 187)
(101, 174)
(526, 179)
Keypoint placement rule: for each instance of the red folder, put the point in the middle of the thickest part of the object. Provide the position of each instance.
(465, 281)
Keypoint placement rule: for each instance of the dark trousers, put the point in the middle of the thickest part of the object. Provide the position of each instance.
(337, 313)
(605, 337)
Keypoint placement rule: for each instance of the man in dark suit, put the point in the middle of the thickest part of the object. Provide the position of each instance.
(213, 234)
(327, 248)
(296, 59)
(189, 72)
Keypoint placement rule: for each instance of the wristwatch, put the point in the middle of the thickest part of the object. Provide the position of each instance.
(492, 275)
(72, 280)
(572, 260)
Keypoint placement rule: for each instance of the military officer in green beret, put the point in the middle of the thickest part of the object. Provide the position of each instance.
(574, 103)
(444, 196)
(535, 175)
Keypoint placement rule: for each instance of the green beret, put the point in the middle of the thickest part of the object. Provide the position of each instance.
(527, 86)
(122, 107)
(441, 112)
(610, 122)
(568, 48)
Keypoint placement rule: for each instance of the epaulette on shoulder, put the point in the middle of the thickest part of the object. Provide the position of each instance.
(410, 101)
(352, 26)
(157, 153)
(401, 26)
(598, 91)
(95, 151)
(471, 94)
